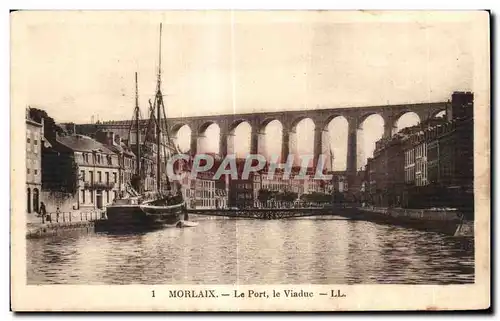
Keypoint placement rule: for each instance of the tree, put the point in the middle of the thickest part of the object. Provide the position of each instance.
(50, 126)
(289, 196)
(264, 195)
(316, 197)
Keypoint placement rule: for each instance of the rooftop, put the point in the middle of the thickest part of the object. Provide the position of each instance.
(83, 143)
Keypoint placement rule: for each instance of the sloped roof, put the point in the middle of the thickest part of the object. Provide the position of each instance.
(83, 143)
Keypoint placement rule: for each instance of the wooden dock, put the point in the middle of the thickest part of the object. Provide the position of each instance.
(267, 213)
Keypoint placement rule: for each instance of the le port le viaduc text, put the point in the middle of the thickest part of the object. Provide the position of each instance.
(251, 294)
(370, 194)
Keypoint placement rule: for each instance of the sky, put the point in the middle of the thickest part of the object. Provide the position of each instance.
(81, 65)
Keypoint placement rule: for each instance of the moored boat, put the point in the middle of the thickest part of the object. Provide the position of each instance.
(164, 211)
(139, 209)
(133, 213)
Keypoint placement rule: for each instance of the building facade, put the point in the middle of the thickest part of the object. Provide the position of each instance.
(428, 165)
(241, 192)
(205, 193)
(386, 172)
(34, 141)
(84, 167)
(125, 157)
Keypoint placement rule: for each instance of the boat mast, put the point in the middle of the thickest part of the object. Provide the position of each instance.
(158, 121)
(137, 133)
(333, 175)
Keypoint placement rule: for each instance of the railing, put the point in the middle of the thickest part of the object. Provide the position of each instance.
(75, 216)
(99, 185)
(278, 205)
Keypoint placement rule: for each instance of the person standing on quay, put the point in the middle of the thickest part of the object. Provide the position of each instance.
(43, 211)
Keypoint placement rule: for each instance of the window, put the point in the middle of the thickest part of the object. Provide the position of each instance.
(99, 176)
(82, 193)
(114, 177)
(27, 170)
(107, 177)
(36, 171)
(91, 176)
(35, 142)
(91, 196)
(28, 145)
(82, 174)
(107, 196)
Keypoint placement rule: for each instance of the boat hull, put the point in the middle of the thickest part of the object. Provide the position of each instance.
(132, 217)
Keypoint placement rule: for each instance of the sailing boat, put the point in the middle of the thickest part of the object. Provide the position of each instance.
(165, 206)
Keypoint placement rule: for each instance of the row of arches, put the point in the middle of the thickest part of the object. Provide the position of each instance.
(271, 138)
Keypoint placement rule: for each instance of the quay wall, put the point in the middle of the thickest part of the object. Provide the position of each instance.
(51, 229)
(420, 214)
(446, 222)
(67, 221)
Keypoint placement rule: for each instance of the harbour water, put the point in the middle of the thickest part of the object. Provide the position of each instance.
(238, 251)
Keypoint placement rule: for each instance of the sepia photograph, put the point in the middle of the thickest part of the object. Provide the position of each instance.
(250, 160)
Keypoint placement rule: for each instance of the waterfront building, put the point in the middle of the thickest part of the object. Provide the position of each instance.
(34, 141)
(276, 182)
(221, 197)
(188, 189)
(241, 192)
(83, 167)
(427, 165)
(126, 158)
(385, 172)
(313, 185)
(416, 160)
(205, 193)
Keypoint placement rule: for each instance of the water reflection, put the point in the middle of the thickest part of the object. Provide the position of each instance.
(317, 251)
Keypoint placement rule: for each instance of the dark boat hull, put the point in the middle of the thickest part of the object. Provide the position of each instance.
(132, 217)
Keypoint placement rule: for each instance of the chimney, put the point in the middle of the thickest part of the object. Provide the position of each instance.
(110, 138)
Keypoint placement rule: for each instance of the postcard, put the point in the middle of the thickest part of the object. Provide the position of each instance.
(250, 160)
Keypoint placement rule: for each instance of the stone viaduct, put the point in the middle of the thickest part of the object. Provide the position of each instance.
(289, 120)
